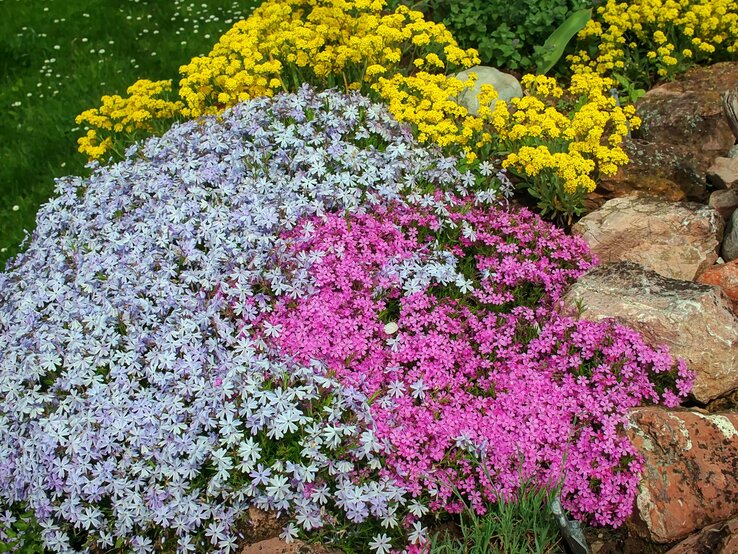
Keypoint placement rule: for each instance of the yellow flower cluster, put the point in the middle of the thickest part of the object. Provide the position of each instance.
(346, 43)
(116, 115)
(396, 57)
(572, 145)
(429, 103)
(662, 36)
(543, 138)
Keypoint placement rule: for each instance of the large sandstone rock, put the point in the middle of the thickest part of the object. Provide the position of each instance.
(506, 85)
(675, 239)
(721, 538)
(695, 321)
(729, 250)
(689, 112)
(683, 131)
(724, 276)
(690, 478)
(261, 525)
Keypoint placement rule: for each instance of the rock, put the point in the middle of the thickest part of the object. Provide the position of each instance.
(723, 173)
(733, 152)
(721, 538)
(278, 546)
(678, 240)
(690, 476)
(694, 321)
(262, 525)
(724, 276)
(724, 201)
(729, 250)
(689, 112)
(663, 170)
(506, 85)
(683, 131)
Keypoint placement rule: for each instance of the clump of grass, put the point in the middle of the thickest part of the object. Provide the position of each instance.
(521, 525)
(57, 58)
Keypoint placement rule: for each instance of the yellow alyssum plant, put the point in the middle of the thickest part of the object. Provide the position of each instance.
(568, 136)
(658, 38)
(285, 43)
(138, 111)
(325, 43)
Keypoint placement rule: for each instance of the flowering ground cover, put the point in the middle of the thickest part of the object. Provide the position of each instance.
(57, 57)
(315, 302)
(295, 306)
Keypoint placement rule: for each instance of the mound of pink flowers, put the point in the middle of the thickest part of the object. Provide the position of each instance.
(448, 322)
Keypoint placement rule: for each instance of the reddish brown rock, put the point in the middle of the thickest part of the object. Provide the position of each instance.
(278, 546)
(675, 239)
(723, 173)
(688, 111)
(262, 525)
(665, 171)
(721, 538)
(690, 477)
(724, 202)
(724, 276)
(694, 321)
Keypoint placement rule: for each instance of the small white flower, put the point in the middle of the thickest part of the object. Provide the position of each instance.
(464, 285)
(381, 544)
(486, 168)
(289, 533)
(419, 389)
(418, 534)
(417, 509)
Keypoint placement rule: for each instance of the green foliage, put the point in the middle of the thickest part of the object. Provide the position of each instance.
(24, 536)
(508, 34)
(521, 526)
(630, 93)
(552, 200)
(548, 55)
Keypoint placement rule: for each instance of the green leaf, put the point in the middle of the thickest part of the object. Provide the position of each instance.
(556, 43)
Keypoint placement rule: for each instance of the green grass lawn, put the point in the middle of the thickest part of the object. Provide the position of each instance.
(58, 57)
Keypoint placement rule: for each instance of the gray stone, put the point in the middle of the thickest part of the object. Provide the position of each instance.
(730, 241)
(733, 152)
(506, 85)
(675, 239)
(695, 321)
